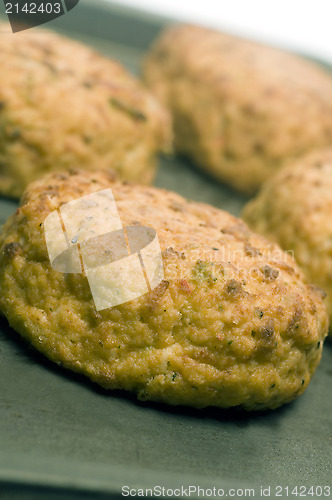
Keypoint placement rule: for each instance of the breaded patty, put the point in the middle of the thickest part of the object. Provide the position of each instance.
(63, 105)
(232, 323)
(241, 109)
(294, 209)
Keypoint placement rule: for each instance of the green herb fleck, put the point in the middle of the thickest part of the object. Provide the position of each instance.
(136, 114)
(203, 272)
(15, 134)
(259, 313)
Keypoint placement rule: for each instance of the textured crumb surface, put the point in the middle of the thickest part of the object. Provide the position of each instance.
(241, 109)
(294, 209)
(233, 322)
(63, 105)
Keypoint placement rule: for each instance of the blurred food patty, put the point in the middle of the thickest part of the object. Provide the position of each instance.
(294, 209)
(63, 105)
(241, 109)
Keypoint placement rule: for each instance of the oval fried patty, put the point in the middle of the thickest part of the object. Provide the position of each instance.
(294, 209)
(62, 105)
(241, 109)
(232, 322)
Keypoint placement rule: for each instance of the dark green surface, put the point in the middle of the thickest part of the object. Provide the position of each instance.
(62, 437)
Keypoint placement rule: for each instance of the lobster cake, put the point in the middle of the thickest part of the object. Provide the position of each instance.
(241, 109)
(231, 323)
(63, 105)
(294, 209)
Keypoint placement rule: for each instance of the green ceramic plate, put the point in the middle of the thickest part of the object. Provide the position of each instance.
(63, 437)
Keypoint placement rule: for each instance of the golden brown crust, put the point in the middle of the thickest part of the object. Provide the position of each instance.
(294, 209)
(241, 109)
(62, 105)
(231, 324)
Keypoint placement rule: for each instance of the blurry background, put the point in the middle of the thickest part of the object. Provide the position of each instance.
(302, 25)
